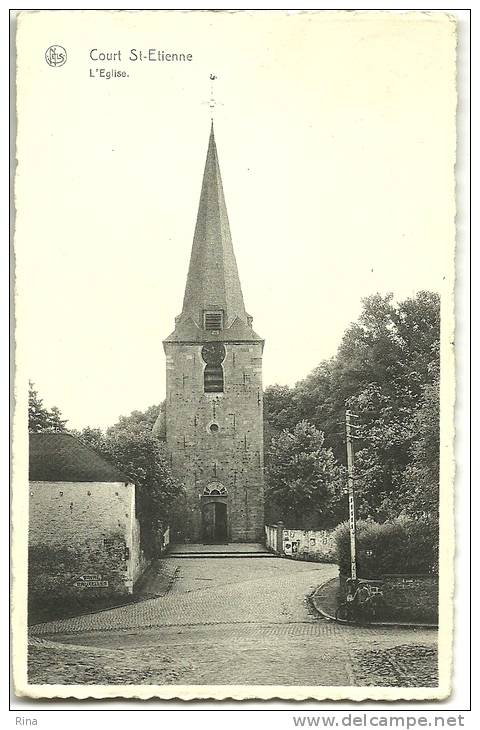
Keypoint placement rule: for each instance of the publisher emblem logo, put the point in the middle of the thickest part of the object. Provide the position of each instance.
(55, 55)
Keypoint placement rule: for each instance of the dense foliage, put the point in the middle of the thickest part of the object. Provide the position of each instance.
(137, 420)
(304, 477)
(402, 545)
(386, 371)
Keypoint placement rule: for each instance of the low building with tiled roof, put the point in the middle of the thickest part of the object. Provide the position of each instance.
(59, 457)
(83, 507)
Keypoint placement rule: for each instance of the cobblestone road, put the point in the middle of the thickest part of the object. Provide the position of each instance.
(229, 621)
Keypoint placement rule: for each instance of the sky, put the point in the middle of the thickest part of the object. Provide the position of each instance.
(335, 134)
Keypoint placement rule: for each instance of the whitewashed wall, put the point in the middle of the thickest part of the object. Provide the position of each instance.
(84, 515)
(271, 532)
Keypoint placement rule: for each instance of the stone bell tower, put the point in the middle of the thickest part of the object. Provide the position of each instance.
(214, 401)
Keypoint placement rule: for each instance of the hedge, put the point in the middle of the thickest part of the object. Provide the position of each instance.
(403, 545)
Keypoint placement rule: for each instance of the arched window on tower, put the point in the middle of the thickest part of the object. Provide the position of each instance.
(213, 355)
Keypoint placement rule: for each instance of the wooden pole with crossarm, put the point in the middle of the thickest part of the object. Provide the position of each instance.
(351, 494)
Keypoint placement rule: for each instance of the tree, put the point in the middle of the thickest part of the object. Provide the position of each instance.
(422, 474)
(137, 420)
(40, 418)
(385, 369)
(144, 459)
(303, 478)
(311, 399)
(280, 409)
(397, 366)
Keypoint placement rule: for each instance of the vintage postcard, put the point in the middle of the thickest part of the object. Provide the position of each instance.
(234, 388)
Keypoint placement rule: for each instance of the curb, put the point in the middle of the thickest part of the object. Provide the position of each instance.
(365, 624)
(222, 556)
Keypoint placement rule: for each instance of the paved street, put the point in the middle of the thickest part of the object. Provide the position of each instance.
(229, 621)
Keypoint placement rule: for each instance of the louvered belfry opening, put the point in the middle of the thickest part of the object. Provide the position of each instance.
(213, 321)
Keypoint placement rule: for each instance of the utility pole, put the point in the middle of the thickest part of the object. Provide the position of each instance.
(351, 493)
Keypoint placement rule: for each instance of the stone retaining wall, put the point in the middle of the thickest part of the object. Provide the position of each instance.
(408, 597)
(413, 596)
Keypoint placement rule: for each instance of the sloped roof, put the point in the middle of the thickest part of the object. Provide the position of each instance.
(61, 457)
(213, 279)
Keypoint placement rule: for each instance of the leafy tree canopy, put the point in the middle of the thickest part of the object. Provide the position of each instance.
(303, 477)
(136, 421)
(386, 370)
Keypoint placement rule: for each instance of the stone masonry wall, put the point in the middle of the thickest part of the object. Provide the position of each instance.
(407, 597)
(234, 455)
(139, 562)
(314, 545)
(411, 596)
(310, 544)
(96, 519)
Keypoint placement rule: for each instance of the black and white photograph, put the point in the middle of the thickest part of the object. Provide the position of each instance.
(233, 445)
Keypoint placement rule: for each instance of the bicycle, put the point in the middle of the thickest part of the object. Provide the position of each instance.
(364, 601)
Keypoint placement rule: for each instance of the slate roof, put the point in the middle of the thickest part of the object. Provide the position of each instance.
(212, 280)
(61, 457)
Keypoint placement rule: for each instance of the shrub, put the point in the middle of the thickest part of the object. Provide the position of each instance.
(403, 545)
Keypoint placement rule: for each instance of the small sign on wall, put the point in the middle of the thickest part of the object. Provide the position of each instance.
(405, 584)
(291, 547)
(91, 581)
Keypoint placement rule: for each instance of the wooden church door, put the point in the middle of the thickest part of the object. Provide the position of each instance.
(214, 522)
(220, 522)
(208, 521)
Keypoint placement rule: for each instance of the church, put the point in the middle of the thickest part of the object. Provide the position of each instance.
(213, 417)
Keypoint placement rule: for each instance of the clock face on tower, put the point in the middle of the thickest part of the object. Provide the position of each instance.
(213, 353)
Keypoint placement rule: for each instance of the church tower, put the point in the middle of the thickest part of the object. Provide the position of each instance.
(214, 400)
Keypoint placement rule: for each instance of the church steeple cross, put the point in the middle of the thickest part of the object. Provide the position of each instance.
(212, 102)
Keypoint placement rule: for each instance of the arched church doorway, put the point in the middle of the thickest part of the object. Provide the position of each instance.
(214, 514)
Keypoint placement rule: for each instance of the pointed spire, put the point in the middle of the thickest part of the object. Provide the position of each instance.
(213, 281)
